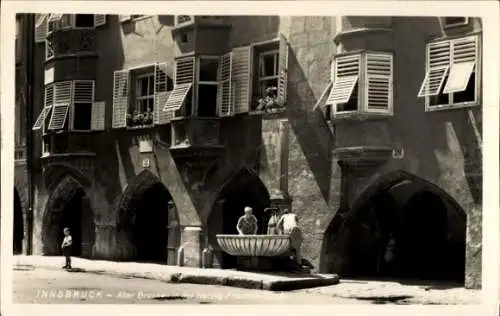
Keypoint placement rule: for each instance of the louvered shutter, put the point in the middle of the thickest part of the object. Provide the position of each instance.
(120, 98)
(379, 82)
(161, 95)
(99, 19)
(283, 70)
(83, 94)
(62, 100)
(464, 60)
(438, 63)
(346, 71)
(241, 78)
(98, 116)
(184, 76)
(41, 28)
(225, 106)
(48, 103)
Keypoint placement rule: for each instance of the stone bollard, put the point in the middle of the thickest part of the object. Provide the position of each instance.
(206, 259)
(180, 256)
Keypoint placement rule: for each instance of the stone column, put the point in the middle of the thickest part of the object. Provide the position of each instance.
(192, 237)
(473, 251)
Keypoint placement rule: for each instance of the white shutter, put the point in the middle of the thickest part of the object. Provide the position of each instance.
(120, 98)
(83, 91)
(283, 70)
(48, 103)
(161, 95)
(241, 78)
(63, 92)
(464, 60)
(346, 75)
(124, 18)
(379, 82)
(41, 28)
(184, 77)
(99, 19)
(225, 105)
(98, 116)
(438, 63)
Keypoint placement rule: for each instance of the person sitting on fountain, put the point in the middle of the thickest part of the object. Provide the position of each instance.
(247, 224)
(272, 225)
(289, 225)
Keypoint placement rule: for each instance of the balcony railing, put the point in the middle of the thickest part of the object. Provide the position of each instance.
(64, 143)
(71, 42)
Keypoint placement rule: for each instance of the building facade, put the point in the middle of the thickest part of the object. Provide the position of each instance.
(149, 134)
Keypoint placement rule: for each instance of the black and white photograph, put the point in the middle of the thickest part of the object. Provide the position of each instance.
(247, 159)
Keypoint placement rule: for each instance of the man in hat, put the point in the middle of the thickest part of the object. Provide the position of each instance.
(247, 224)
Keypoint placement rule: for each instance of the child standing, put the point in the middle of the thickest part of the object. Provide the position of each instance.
(66, 247)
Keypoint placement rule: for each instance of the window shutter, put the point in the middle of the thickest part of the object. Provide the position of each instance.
(283, 70)
(224, 98)
(62, 100)
(438, 63)
(240, 77)
(120, 98)
(379, 79)
(161, 95)
(184, 76)
(125, 18)
(48, 103)
(99, 19)
(98, 116)
(84, 91)
(464, 60)
(41, 28)
(346, 74)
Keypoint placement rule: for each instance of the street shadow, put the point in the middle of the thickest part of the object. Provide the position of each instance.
(391, 299)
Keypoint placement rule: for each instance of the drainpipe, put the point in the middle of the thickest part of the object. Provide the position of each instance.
(29, 44)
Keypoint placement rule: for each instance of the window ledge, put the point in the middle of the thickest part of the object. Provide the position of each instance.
(66, 155)
(451, 107)
(359, 117)
(140, 127)
(342, 35)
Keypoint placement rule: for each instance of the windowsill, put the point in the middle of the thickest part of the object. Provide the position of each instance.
(342, 35)
(63, 155)
(359, 116)
(268, 112)
(451, 107)
(136, 127)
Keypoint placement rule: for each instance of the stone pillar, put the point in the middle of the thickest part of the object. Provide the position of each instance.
(473, 249)
(192, 237)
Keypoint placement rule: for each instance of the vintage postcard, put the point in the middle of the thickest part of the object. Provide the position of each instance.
(257, 153)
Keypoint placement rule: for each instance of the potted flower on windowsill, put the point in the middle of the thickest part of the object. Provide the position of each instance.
(269, 102)
(140, 119)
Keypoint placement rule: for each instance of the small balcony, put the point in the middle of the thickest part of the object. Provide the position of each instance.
(67, 145)
(196, 137)
(71, 43)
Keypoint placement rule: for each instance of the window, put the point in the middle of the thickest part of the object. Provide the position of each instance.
(362, 83)
(74, 99)
(268, 71)
(452, 73)
(180, 100)
(451, 22)
(208, 72)
(72, 21)
(139, 104)
(84, 20)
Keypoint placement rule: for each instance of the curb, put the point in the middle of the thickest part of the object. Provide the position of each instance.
(238, 282)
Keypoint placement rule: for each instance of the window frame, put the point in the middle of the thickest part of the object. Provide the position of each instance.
(89, 103)
(477, 72)
(135, 95)
(447, 26)
(199, 82)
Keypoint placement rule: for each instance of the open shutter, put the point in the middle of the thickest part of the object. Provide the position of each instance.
(120, 98)
(184, 76)
(83, 95)
(161, 95)
(283, 70)
(99, 19)
(438, 63)
(240, 77)
(225, 105)
(125, 18)
(98, 116)
(48, 103)
(41, 28)
(379, 78)
(464, 60)
(62, 100)
(346, 75)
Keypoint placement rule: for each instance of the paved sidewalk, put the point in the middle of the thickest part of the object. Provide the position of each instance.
(176, 274)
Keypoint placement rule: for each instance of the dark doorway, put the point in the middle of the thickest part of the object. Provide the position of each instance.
(244, 189)
(404, 234)
(18, 224)
(153, 226)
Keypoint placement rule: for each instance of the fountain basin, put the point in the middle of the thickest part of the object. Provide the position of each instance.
(255, 245)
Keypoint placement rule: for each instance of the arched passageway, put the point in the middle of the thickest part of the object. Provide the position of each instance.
(243, 189)
(150, 221)
(18, 224)
(407, 230)
(69, 206)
